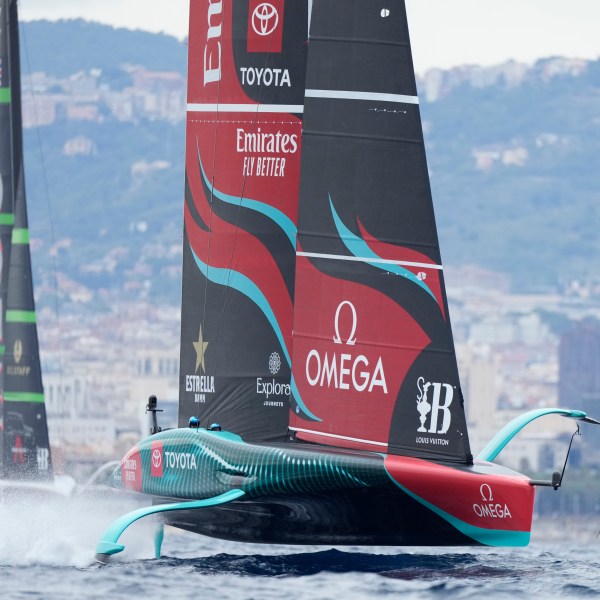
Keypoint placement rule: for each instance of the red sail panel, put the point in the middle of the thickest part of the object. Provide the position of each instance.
(420, 265)
(245, 102)
(350, 358)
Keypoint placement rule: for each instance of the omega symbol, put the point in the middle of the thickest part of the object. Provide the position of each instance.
(486, 493)
(351, 340)
(265, 19)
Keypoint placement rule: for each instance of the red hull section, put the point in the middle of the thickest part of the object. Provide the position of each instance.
(481, 499)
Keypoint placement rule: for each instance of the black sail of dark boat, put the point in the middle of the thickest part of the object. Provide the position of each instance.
(26, 446)
(374, 365)
(6, 186)
(247, 63)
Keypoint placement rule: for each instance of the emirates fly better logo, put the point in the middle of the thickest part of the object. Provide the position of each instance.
(265, 26)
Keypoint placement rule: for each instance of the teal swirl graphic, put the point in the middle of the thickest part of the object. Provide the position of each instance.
(359, 248)
(278, 217)
(244, 285)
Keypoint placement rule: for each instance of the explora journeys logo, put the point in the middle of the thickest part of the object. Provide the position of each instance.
(274, 363)
(266, 388)
(443, 394)
(345, 370)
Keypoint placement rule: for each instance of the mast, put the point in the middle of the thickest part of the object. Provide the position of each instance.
(26, 444)
(374, 360)
(247, 64)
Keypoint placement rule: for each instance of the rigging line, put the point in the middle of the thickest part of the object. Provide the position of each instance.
(228, 289)
(210, 229)
(578, 432)
(49, 206)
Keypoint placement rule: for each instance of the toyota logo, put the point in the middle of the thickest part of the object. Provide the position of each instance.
(156, 458)
(265, 19)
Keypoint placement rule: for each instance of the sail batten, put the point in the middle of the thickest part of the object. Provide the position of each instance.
(332, 436)
(354, 41)
(245, 108)
(360, 95)
(24, 397)
(369, 259)
(359, 136)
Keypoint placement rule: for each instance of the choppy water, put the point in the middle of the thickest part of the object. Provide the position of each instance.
(46, 552)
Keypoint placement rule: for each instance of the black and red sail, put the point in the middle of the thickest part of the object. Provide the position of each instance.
(247, 64)
(374, 365)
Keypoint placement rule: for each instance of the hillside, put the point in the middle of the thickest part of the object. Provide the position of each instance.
(515, 173)
(513, 154)
(79, 45)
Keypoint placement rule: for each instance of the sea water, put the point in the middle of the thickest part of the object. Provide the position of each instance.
(47, 552)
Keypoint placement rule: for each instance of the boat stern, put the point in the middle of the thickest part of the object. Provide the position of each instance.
(487, 503)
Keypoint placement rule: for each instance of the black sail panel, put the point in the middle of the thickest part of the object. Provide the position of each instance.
(374, 364)
(25, 444)
(247, 63)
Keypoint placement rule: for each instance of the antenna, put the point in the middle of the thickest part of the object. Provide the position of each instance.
(151, 408)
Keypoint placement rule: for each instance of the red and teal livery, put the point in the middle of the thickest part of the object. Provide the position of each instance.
(315, 326)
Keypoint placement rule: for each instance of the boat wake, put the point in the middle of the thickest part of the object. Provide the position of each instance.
(41, 530)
